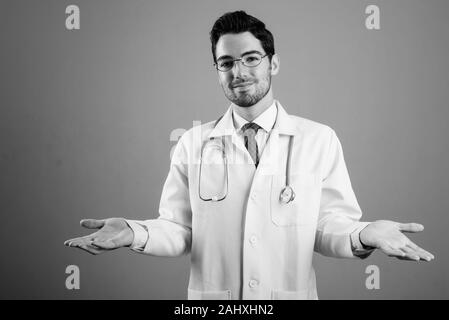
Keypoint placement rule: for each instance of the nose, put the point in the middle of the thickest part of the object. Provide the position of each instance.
(238, 69)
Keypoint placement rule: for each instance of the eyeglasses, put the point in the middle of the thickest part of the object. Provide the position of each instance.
(250, 60)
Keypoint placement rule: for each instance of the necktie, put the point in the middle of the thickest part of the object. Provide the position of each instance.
(249, 135)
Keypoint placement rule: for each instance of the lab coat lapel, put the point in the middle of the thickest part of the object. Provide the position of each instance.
(283, 128)
(224, 127)
(285, 125)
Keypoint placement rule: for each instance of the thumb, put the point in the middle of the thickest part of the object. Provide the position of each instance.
(411, 227)
(92, 223)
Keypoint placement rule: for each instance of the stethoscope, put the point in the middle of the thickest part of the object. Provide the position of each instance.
(287, 194)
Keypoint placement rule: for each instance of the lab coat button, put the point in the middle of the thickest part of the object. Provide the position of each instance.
(253, 283)
(253, 196)
(253, 240)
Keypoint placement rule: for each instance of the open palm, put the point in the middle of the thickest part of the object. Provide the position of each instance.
(389, 237)
(112, 233)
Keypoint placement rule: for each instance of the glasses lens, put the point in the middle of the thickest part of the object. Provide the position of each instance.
(225, 65)
(252, 60)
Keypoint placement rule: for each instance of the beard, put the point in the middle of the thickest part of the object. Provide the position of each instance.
(245, 98)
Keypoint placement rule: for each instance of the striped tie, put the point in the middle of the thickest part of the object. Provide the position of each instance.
(249, 134)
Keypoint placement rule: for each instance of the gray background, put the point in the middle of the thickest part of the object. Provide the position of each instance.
(86, 118)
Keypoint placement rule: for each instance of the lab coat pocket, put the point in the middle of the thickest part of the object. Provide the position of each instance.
(290, 295)
(303, 210)
(209, 295)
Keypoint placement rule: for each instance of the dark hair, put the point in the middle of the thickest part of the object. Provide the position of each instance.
(237, 22)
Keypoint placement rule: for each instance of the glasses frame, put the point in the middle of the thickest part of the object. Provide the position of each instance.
(241, 60)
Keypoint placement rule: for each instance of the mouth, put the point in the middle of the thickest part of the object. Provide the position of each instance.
(242, 85)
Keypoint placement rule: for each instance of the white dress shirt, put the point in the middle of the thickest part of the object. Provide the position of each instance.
(265, 120)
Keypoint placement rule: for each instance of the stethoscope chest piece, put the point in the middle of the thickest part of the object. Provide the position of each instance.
(287, 195)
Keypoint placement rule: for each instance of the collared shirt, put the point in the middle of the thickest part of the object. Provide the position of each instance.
(265, 120)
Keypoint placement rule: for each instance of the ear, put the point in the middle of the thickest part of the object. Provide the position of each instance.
(275, 64)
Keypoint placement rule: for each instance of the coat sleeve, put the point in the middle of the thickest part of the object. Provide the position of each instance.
(339, 210)
(170, 234)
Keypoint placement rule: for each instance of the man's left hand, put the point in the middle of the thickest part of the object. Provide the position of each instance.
(388, 236)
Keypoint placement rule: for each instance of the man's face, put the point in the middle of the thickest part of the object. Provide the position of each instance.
(242, 85)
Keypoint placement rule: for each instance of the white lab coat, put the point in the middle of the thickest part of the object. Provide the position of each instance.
(250, 245)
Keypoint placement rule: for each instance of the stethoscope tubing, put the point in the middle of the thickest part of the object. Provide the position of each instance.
(216, 198)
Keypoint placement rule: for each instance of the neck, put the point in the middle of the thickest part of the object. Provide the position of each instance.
(251, 113)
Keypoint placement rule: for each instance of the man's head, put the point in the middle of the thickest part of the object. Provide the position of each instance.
(237, 35)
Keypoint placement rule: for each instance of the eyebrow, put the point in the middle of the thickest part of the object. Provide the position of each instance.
(243, 54)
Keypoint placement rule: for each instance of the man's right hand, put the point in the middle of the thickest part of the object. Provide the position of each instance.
(113, 233)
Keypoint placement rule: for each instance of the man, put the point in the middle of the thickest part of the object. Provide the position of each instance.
(252, 195)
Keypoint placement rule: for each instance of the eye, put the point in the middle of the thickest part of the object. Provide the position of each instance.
(251, 58)
(225, 64)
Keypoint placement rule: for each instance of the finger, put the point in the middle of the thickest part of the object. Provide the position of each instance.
(423, 254)
(70, 241)
(79, 241)
(90, 249)
(87, 237)
(419, 249)
(410, 253)
(406, 258)
(411, 227)
(92, 223)
(392, 252)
